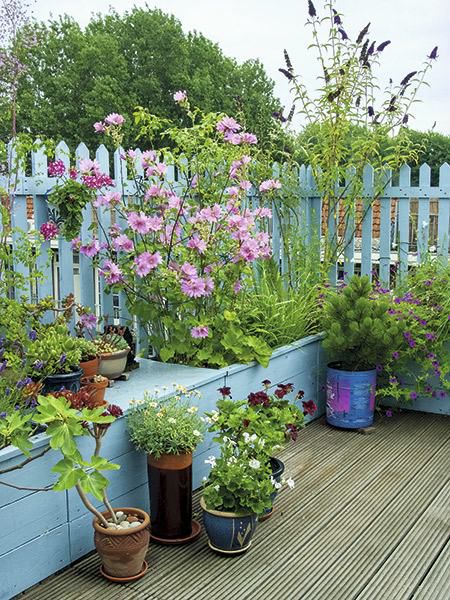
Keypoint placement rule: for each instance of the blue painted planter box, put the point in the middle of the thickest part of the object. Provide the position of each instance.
(438, 406)
(42, 532)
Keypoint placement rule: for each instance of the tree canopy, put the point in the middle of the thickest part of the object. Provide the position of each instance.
(76, 76)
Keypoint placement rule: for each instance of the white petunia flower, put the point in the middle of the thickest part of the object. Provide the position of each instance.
(211, 460)
(290, 483)
(197, 433)
(217, 488)
(254, 464)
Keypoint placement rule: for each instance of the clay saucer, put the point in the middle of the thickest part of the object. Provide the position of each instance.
(196, 530)
(126, 579)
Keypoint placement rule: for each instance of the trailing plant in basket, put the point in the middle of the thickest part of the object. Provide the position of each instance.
(360, 332)
(166, 425)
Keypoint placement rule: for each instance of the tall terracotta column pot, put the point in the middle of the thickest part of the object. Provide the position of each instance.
(170, 486)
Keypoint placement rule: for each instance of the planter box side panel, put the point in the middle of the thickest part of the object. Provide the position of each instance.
(437, 406)
(34, 561)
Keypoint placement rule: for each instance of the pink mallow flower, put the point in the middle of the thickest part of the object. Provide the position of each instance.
(88, 321)
(99, 127)
(148, 157)
(139, 222)
(196, 243)
(123, 243)
(107, 199)
(91, 249)
(114, 119)
(111, 272)
(237, 287)
(56, 168)
(146, 262)
(180, 96)
(270, 184)
(200, 332)
(159, 170)
(193, 288)
(49, 230)
(75, 243)
(249, 250)
(248, 138)
(188, 270)
(228, 124)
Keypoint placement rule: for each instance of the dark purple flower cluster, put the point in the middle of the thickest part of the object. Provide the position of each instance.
(258, 398)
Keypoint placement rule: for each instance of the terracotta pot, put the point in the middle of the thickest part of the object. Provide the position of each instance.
(170, 487)
(113, 365)
(90, 367)
(123, 551)
(96, 390)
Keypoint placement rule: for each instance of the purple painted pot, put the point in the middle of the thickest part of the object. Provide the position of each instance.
(350, 397)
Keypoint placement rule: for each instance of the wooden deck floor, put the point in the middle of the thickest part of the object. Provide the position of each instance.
(369, 519)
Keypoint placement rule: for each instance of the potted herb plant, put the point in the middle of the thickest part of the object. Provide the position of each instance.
(113, 351)
(238, 489)
(168, 429)
(121, 535)
(360, 334)
(56, 355)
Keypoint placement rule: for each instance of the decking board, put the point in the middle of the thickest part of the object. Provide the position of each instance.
(368, 520)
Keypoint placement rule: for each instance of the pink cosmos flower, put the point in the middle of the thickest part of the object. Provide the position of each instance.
(56, 168)
(196, 243)
(111, 272)
(49, 230)
(232, 191)
(211, 214)
(99, 127)
(139, 222)
(263, 213)
(270, 184)
(91, 249)
(131, 154)
(114, 119)
(180, 96)
(228, 124)
(188, 270)
(146, 262)
(123, 243)
(200, 332)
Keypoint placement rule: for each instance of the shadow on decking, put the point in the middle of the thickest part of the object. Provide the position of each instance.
(368, 519)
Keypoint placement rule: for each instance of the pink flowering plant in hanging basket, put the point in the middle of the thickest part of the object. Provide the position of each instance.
(184, 238)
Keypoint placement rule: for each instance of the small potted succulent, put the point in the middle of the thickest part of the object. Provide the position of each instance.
(96, 388)
(121, 535)
(360, 334)
(264, 415)
(55, 355)
(239, 489)
(168, 429)
(89, 359)
(113, 351)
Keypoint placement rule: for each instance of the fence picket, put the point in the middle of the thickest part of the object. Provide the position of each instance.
(423, 219)
(403, 221)
(367, 220)
(444, 214)
(385, 231)
(349, 232)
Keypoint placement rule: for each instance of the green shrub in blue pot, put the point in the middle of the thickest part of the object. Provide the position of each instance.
(361, 333)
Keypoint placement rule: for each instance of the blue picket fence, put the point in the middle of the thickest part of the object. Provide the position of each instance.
(408, 231)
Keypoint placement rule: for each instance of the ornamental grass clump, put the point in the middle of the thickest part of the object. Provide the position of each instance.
(166, 425)
(360, 331)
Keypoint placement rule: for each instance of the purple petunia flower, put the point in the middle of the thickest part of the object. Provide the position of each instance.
(395, 355)
(62, 359)
(32, 335)
(388, 413)
(413, 395)
(23, 382)
(3, 415)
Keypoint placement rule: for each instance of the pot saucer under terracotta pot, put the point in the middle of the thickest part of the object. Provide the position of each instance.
(122, 551)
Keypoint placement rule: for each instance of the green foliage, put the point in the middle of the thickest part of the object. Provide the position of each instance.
(238, 481)
(119, 61)
(109, 343)
(360, 333)
(421, 364)
(70, 198)
(16, 427)
(87, 348)
(167, 425)
(57, 349)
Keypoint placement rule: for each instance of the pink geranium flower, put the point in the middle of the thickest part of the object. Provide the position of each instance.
(200, 332)
(249, 250)
(249, 138)
(49, 230)
(188, 270)
(159, 170)
(193, 288)
(146, 262)
(107, 199)
(56, 168)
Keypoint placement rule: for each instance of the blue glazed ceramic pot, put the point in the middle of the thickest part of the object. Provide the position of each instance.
(67, 381)
(228, 533)
(350, 397)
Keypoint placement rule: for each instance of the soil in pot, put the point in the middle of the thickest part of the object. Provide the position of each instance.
(122, 548)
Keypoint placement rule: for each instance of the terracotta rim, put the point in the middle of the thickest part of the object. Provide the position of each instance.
(170, 461)
(141, 573)
(114, 355)
(89, 362)
(130, 512)
(220, 513)
(97, 384)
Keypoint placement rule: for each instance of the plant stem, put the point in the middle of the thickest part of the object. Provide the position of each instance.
(25, 462)
(90, 506)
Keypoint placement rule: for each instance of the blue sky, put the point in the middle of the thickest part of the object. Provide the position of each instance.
(262, 28)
